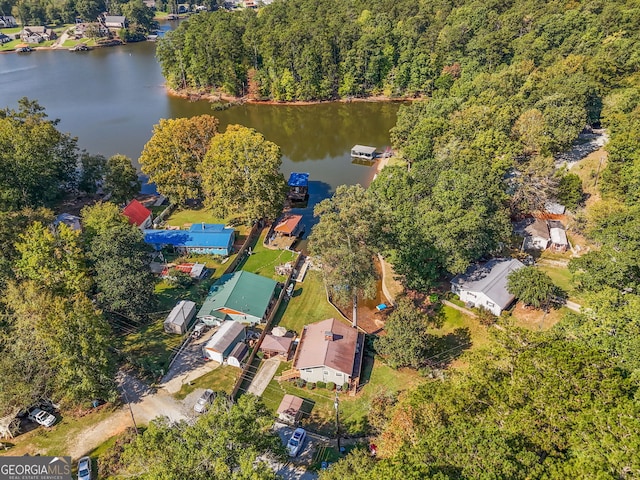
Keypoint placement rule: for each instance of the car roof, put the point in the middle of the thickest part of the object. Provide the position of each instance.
(84, 460)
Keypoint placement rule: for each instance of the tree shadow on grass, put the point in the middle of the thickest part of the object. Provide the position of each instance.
(449, 347)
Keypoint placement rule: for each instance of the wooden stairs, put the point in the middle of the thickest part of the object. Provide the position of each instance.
(290, 374)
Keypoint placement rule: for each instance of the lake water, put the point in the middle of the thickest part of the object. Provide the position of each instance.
(110, 98)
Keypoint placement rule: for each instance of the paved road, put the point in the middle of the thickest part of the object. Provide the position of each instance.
(264, 376)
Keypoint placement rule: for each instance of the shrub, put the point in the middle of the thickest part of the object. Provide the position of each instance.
(331, 386)
(300, 383)
(345, 386)
(321, 385)
(311, 385)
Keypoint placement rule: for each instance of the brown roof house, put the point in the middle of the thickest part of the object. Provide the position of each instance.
(537, 235)
(37, 34)
(273, 346)
(329, 351)
(290, 409)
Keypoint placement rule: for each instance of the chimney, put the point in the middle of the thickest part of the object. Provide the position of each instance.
(328, 336)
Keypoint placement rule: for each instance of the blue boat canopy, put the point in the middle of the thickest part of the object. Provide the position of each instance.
(299, 179)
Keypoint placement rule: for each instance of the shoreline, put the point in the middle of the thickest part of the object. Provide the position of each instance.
(222, 97)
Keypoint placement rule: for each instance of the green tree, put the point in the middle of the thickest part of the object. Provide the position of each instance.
(174, 153)
(99, 218)
(92, 170)
(53, 258)
(347, 236)
(123, 278)
(570, 190)
(407, 340)
(121, 179)
(37, 162)
(241, 175)
(222, 444)
(531, 286)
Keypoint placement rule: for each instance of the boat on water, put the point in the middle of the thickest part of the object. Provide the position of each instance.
(23, 49)
(80, 47)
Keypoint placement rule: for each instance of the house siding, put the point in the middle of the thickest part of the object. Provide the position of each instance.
(479, 300)
(318, 374)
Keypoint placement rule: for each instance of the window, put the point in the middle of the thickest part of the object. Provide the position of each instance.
(326, 372)
(338, 374)
(491, 304)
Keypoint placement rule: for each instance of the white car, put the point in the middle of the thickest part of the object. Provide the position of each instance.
(296, 442)
(84, 468)
(41, 417)
(204, 401)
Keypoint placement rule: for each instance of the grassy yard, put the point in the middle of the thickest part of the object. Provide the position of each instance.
(561, 277)
(54, 441)
(222, 379)
(181, 217)
(308, 304)
(264, 260)
(353, 410)
(168, 295)
(149, 348)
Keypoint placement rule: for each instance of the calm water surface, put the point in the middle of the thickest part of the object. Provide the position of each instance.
(110, 99)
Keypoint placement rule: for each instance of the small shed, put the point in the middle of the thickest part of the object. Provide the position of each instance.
(363, 151)
(559, 241)
(224, 340)
(290, 408)
(298, 186)
(180, 318)
(273, 346)
(238, 354)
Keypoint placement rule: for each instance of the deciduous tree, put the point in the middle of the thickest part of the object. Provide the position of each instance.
(241, 175)
(531, 286)
(173, 155)
(121, 179)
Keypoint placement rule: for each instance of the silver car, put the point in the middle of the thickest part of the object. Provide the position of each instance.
(41, 417)
(204, 401)
(84, 468)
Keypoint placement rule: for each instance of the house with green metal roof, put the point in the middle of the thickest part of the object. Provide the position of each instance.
(241, 296)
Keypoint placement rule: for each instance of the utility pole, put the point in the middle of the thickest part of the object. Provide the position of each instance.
(336, 404)
(126, 399)
(595, 184)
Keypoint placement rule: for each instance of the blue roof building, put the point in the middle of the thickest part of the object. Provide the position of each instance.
(207, 238)
(298, 186)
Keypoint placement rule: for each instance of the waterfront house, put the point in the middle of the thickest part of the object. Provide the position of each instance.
(486, 285)
(180, 318)
(205, 238)
(222, 343)
(115, 21)
(138, 214)
(37, 34)
(241, 296)
(4, 38)
(289, 226)
(328, 352)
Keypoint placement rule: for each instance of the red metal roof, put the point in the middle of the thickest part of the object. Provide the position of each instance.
(136, 213)
(288, 224)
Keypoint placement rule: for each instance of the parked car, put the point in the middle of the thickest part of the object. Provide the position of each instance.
(84, 468)
(41, 417)
(204, 401)
(296, 442)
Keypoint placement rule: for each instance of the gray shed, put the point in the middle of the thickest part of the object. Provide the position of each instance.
(238, 354)
(180, 317)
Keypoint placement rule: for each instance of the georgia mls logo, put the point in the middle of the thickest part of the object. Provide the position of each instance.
(35, 468)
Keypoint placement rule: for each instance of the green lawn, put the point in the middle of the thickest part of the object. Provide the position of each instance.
(308, 304)
(561, 277)
(168, 295)
(222, 379)
(149, 348)
(264, 260)
(54, 441)
(353, 410)
(182, 217)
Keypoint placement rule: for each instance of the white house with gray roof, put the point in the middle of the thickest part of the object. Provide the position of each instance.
(486, 285)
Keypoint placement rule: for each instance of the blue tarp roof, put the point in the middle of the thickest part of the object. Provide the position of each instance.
(299, 180)
(184, 238)
(207, 227)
